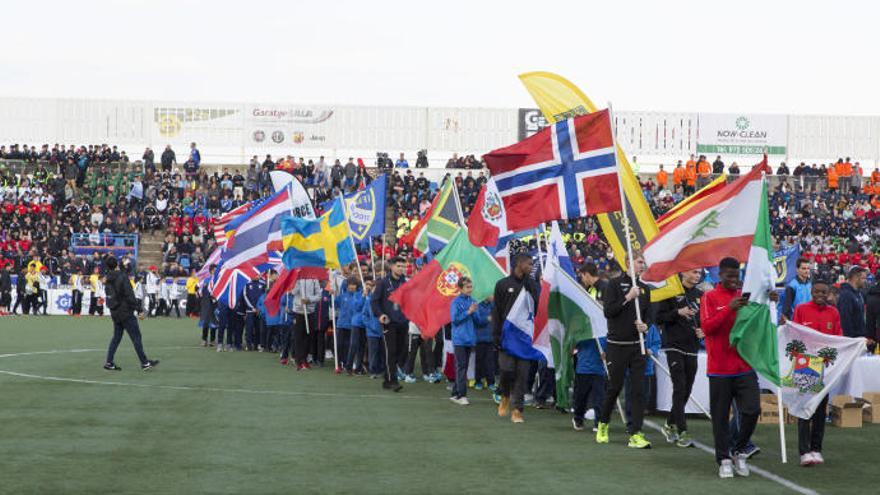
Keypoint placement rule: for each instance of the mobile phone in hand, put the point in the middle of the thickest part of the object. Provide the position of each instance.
(746, 295)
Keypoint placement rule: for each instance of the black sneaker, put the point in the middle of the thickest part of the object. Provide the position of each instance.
(397, 387)
(577, 424)
(149, 365)
(112, 367)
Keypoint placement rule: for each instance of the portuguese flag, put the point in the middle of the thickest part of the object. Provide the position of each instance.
(425, 299)
(566, 315)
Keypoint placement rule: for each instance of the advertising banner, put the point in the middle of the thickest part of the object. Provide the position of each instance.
(742, 134)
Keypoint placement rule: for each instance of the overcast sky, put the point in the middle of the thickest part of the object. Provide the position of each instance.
(801, 57)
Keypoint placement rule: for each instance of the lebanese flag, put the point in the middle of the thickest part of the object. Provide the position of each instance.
(488, 220)
(722, 224)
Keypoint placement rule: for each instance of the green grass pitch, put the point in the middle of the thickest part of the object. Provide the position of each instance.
(205, 422)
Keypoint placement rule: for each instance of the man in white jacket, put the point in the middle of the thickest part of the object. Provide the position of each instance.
(152, 289)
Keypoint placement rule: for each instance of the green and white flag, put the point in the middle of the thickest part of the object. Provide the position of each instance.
(754, 332)
(566, 315)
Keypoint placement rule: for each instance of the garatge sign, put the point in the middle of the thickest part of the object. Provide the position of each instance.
(742, 134)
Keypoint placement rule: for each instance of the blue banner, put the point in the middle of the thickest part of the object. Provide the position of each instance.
(786, 263)
(366, 211)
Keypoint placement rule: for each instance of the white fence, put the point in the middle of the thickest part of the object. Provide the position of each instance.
(229, 133)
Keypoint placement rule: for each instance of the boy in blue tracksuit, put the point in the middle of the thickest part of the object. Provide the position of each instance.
(485, 349)
(589, 380)
(274, 324)
(375, 345)
(252, 292)
(355, 361)
(345, 304)
(465, 317)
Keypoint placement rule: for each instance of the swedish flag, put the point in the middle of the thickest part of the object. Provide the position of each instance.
(324, 242)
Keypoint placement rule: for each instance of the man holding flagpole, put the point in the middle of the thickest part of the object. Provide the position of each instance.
(623, 351)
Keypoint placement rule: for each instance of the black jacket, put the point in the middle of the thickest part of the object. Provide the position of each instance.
(872, 323)
(380, 303)
(851, 306)
(677, 331)
(506, 291)
(622, 315)
(120, 296)
(5, 281)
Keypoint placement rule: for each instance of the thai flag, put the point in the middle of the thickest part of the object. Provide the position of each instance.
(568, 170)
(258, 232)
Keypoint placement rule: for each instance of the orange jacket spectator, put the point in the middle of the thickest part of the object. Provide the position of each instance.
(691, 165)
(832, 178)
(704, 169)
(662, 178)
(868, 189)
(875, 176)
(843, 169)
(678, 176)
(691, 176)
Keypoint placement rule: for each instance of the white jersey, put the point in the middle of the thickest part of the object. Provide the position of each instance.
(138, 290)
(152, 283)
(164, 291)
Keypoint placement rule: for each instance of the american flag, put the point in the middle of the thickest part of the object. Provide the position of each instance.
(225, 219)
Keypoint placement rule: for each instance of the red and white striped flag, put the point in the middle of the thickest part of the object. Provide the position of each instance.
(721, 224)
(223, 221)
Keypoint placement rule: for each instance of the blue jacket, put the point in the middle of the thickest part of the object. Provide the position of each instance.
(279, 319)
(464, 325)
(652, 342)
(252, 292)
(796, 293)
(589, 362)
(357, 309)
(371, 322)
(851, 306)
(324, 308)
(344, 307)
(484, 329)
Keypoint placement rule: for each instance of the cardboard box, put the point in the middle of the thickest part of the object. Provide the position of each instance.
(769, 410)
(871, 407)
(846, 412)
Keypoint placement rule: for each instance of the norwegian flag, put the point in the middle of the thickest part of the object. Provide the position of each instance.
(566, 171)
(225, 219)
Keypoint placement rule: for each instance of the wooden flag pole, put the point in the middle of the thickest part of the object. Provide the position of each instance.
(629, 253)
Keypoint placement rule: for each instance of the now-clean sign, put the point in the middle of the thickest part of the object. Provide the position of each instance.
(742, 134)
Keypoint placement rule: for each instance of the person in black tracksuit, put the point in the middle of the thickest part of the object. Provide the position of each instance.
(679, 321)
(514, 372)
(395, 326)
(123, 305)
(623, 352)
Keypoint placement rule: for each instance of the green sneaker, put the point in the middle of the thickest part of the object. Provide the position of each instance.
(638, 441)
(684, 440)
(602, 434)
(670, 432)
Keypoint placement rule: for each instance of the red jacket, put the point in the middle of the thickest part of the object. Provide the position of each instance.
(823, 319)
(716, 319)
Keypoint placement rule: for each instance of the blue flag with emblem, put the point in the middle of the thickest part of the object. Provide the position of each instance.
(323, 242)
(366, 211)
(786, 263)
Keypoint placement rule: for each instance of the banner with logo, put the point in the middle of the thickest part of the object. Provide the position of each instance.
(284, 125)
(742, 134)
(786, 263)
(530, 122)
(366, 211)
(811, 363)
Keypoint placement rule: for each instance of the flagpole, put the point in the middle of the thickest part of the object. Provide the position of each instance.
(538, 247)
(302, 295)
(351, 240)
(782, 451)
(333, 321)
(629, 253)
(372, 259)
(383, 253)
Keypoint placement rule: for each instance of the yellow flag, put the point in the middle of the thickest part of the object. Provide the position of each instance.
(559, 99)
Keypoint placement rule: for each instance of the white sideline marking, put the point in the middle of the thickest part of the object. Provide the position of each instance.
(761, 472)
(705, 448)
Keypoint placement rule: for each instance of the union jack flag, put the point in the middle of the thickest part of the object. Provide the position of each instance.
(566, 171)
(228, 283)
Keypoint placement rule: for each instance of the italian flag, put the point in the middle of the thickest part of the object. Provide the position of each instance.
(566, 315)
(754, 332)
(716, 226)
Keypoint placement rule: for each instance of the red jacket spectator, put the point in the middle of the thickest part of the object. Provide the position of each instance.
(823, 318)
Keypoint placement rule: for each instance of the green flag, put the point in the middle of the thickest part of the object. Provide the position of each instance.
(754, 331)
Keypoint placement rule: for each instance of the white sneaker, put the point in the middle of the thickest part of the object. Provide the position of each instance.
(219, 348)
(725, 470)
(817, 458)
(741, 465)
(464, 401)
(807, 459)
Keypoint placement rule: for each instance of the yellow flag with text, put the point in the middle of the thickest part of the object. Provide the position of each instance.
(559, 99)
